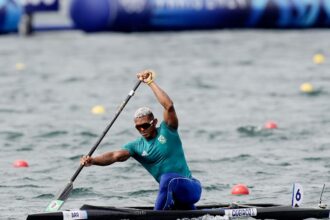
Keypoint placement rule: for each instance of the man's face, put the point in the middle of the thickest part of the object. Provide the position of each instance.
(146, 125)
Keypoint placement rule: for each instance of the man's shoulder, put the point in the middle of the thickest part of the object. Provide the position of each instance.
(133, 146)
(136, 142)
(164, 126)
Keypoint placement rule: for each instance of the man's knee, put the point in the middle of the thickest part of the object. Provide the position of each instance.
(186, 191)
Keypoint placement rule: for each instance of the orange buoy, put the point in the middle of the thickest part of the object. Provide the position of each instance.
(20, 163)
(240, 189)
(270, 125)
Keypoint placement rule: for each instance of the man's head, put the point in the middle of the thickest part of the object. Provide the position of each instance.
(145, 122)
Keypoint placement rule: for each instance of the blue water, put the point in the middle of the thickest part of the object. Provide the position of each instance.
(225, 86)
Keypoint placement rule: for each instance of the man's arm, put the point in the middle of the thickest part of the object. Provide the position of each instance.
(170, 116)
(105, 159)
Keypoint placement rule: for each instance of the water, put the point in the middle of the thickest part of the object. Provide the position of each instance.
(225, 85)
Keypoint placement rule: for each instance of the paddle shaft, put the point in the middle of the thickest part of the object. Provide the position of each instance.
(60, 199)
(122, 106)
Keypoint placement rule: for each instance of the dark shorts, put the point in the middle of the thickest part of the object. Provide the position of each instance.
(177, 192)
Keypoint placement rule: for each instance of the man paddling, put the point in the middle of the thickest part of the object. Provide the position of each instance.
(160, 151)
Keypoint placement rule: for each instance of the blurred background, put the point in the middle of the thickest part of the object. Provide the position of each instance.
(249, 79)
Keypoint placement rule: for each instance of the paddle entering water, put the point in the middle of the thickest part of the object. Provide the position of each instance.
(57, 203)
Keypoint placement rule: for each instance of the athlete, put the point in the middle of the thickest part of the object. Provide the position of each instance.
(160, 152)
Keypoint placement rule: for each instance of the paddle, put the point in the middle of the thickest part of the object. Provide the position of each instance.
(56, 204)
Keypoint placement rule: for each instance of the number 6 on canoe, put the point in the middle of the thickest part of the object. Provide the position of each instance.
(56, 204)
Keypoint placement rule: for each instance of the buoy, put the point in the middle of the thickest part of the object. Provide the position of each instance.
(20, 163)
(306, 88)
(240, 189)
(318, 58)
(98, 110)
(270, 125)
(20, 66)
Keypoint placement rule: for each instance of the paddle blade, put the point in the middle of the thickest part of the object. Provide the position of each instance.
(57, 203)
(54, 205)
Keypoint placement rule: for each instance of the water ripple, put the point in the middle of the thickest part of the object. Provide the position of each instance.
(44, 196)
(7, 110)
(23, 148)
(315, 159)
(11, 135)
(20, 186)
(88, 134)
(141, 193)
(216, 187)
(75, 158)
(83, 191)
(52, 134)
(252, 131)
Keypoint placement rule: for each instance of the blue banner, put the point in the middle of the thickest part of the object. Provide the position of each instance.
(153, 15)
(31, 6)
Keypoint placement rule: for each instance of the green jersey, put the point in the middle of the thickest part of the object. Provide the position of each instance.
(162, 154)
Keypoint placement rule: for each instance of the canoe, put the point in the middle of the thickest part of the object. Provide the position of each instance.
(220, 211)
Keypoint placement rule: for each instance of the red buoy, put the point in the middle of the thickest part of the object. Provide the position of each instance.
(270, 125)
(240, 189)
(20, 163)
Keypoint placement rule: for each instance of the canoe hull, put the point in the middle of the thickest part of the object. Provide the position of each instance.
(257, 211)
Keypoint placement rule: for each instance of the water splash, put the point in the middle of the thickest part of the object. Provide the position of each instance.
(252, 131)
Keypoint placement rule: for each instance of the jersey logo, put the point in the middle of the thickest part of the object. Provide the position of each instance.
(162, 139)
(144, 154)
